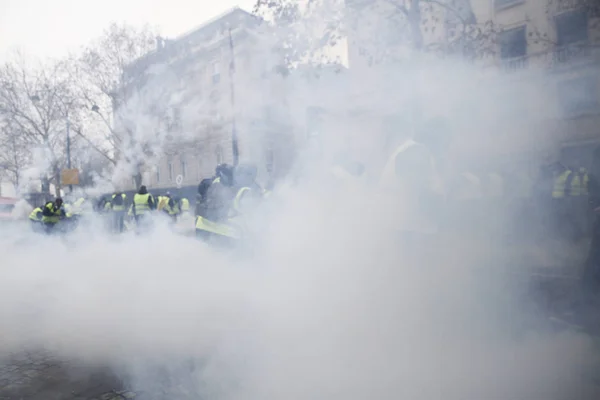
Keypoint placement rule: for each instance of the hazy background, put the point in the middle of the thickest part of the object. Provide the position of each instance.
(54, 28)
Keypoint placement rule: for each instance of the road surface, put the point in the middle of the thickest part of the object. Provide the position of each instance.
(40, 376)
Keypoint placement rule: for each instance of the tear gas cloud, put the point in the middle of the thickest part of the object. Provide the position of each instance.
(328, 305)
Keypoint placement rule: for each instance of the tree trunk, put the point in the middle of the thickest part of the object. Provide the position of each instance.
(57, 183)
(45, 185)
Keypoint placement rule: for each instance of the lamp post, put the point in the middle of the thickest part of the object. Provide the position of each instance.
(234, 134)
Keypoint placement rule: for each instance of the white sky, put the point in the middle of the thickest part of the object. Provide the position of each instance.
(53, 28)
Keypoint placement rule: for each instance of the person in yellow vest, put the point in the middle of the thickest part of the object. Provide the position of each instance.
(171, 207)
(215, 198)
(143, 204)
(118, 206)
(568, 182)
(52, 213)
(184, 205)
(580, 182)
(162, 200)
(566, 186)
(35, 218)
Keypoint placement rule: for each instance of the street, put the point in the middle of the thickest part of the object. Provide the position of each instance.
(39, 375)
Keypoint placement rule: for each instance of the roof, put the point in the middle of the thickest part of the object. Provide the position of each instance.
(205, 25)
(203, 32)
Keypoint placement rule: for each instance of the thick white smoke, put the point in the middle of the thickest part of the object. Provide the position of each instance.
(327, 303)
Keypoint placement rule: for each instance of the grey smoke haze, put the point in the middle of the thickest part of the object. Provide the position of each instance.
(327, 306)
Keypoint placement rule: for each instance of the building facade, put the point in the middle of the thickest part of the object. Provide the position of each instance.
(540, 60)
(218, 81)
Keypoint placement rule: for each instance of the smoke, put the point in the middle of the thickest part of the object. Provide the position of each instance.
(328, 306)
(327, 300)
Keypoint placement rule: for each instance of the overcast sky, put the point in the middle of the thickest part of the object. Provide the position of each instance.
(52, 28)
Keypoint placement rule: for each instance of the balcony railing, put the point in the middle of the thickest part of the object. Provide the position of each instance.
(562, 57)
(575, 53)
(515, 64)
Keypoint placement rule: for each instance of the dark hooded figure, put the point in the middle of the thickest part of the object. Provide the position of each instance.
(216, 195)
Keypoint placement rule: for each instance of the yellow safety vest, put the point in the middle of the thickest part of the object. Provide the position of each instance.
(55, 214)
(579, 185)
(185, 205)
(204, 224)
(570, 183)
(140, 203)
(238, 198)
(162, 202)
(76, 207)
(118, 207)
(171, 210)
(36, 214)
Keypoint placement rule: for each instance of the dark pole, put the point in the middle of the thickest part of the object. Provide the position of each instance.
(234, 137)
(69, 149)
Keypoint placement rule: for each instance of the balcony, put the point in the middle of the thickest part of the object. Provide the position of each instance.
(514, 64)
(560, 59)
(574, 54)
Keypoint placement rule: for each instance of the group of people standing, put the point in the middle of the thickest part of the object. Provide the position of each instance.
(121, 213)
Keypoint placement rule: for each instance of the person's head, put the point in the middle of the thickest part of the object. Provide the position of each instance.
(168, 194)
(245, 174)
(203, 187)
(58, 202)
(225, 173)
(143, 190)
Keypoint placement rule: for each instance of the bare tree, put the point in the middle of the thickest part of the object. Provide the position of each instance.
(14, 154)
(35, 101)
(383, 28)
(108, 78)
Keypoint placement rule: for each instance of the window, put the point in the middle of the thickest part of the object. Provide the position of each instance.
(500, 4)
(216, 72)
(513, 43)
(571, 27)
(579, 96)
(183, 167)
(170, 171)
